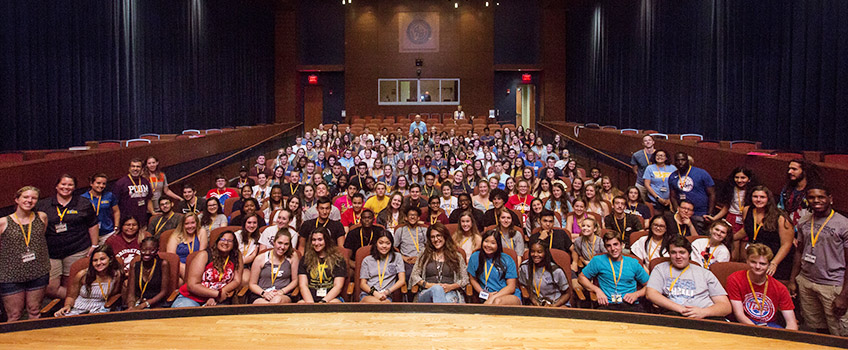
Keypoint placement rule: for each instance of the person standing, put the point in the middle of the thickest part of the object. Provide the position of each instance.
(640, 161)
(105, 206)
(134, 194)
(693, 184)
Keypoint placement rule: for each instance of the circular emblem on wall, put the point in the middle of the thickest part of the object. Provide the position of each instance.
(419, 32)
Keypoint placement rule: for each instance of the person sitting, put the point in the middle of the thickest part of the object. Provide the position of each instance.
(245, 193)
(687, 290)
(213, 276)
(221, 192)
(449, 202)
(247, 239)
(187, 238)
(165, 220)
(752, 300)
(127, 243)
(323, 209)
(435, 212)
(682, 223)
(149, 278)
(379, 200)
(716, 248)
(83, 297)
(493, 273)
(410, 238)
(466, 236)
(498, 197)
(440, 272)
(617, 276)
(540, 274)
(281, 223)
(378, 283)
(521, 201)
(353, 215)
(464, 203)
(213, 215)
(271, 273)
(363, 235)
(587, 245)
(621, 222)
(242, 180)
(190, 202)
(249, 209)
(552, 237)
(510, 235)
(655, 244)
(322, 273)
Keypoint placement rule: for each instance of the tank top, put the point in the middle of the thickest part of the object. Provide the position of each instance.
(283, 278)
(183, 249)
(91, 301)
(772, 240)
(467, 244)
(154, 285)
(13, 247)
(575, 224)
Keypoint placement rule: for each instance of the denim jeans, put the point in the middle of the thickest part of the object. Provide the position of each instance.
(434, 294)
(182, 301)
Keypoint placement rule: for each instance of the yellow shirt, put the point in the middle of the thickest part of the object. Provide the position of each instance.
(377, 205)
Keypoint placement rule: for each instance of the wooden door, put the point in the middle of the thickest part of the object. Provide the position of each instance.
(313, 107)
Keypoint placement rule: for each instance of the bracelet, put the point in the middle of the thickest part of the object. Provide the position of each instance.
(147, 303)
(373, 290)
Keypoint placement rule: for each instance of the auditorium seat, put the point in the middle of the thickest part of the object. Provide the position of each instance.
(743, 144)
(691, 137)
(11, 157)
(191, 132)
(629, 131)
(137, 142)
(58, 154)
(709, 144)
(658, 135)
(109, 144)
(649, 132)
(656, 261)
(789, 155)
(214, 131)
(836, 158)
(724, 269)
(592, 125)
(150, 136)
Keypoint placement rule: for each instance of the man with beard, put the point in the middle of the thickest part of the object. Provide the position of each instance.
(800, 175)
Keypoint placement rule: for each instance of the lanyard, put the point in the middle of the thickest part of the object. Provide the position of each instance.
(149, 277)
(192, 207)
(414, 239)
(740, 198)
(680, 228)
(159, 223)
(133, 181)
(509, 241)
(591, 252)
(294, 189)
(356, 219)
(240, 183)
(431, 191)
(382, 274)
(245, 248)
(463, 241)
(678, 276)
(645, 152)
(760, 302)
(153, 181)
(191, 244)
(28, 235)
(97, 208)
(274, 270)
(487, 269)
(61, 214)
(433, 220)
(103, 293)
(709, 259)
(538, 287)
(813, 237)
(322, 271)
(657, 247)
(324, 225)
(620, 269)
(551, 240)
(757, 228)
(623, 224)
(221, 273)
(362, 239)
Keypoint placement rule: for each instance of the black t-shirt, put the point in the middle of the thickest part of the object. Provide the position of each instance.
(356, 238)
(561, 240)
(476, 213)
(409, 202)
(291, 189)
(335, 227)
(76, 218)
(185, 207)
(322, 278)
(631, 223)
(489, 218)
(239, 182)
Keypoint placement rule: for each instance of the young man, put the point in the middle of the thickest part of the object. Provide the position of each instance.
(292, 188)
(681, 222)
(261, 190)
(242, 180)
(430, 190)
(105, 206)
(363, 235)
(620, 222)
(417, 124)
(693, 184)
(134, 194)
(685, 289)
(323, 220)
(354, 215)
(332, 177)
(410, 239)
(415, 199)
(498, 198)
(465, 205)
(800, 174)
(551, 237)
(165, 220)
(190, 202)
(640, 160)
(221, 191)
(380, 200)
(819, 271)
(533, 162)
(343, 203)
(617, 276)
(361, 175)
(259, 167)
(755, 296)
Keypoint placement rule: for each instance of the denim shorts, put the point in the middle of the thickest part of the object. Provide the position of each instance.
(18, 287)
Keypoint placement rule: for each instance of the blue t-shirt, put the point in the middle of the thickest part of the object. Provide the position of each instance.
(534, 165)
(659, 179)
(631, 272)
(641, 160)
(104, 214)
(693, 187)
(497, 280)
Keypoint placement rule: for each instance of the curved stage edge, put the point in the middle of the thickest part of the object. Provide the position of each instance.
(410, 310)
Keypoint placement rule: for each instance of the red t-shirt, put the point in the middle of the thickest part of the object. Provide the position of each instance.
(777, 298)
(517, 204)
(222, 195)
(124, 251)
(349, 218)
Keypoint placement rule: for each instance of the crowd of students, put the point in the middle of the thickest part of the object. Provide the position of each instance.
(505, 213)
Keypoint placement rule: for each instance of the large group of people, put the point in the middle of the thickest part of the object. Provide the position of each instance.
(425, 215)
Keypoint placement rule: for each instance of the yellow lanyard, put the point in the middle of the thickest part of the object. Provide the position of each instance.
(324, 225)
(221, 273)
(322, 271)
(657, 247)
(103, 293)
(431, 191)
(382, 274)
(28, 235)
(538, 287)
(293, 189)
(154, 180)
(680, 228)
(97, 208)
(645, 152)
(487, 269)
(678, 276)
(362, 239)
(510, 242)
(813, 237)
(433, 220)
(415, 239)
(709, 259)
(61, 214)
(245, 248)
(356, 219)
(160, 224)
(149, 277)
(740, 198)
(620, 269)
(623, 224)
(240, 183)
(191, 245)
(133, 181)
(551, 240)
(757, 228)
(760, 302)
(274, 270)
(591, 252)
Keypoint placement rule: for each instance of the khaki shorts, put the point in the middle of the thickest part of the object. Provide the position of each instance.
(62, 267)
(103, 238)
(817, 306)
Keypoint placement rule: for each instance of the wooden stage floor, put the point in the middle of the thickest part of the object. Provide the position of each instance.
(355, 330)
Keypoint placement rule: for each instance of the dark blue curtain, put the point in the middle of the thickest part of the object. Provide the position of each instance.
(774, 71)
(79, 70)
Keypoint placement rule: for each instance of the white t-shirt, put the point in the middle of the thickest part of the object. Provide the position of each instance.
(269, 233)
(654, 248)
(719, 254)
(448, 205)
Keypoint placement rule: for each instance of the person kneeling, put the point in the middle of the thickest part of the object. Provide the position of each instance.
(617, 276)
(686, 289)
(382, 272)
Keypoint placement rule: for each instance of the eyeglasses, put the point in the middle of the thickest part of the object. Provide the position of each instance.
(226, 240)
(658, 225)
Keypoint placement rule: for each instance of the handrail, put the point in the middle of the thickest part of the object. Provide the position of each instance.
(236, 153)
(585, 145)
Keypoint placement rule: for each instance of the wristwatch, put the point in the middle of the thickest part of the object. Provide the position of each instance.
(372, 291)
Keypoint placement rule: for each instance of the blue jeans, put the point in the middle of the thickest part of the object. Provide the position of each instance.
(434, 294)
(182, 301)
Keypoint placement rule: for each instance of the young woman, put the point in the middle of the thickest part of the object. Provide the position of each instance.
(587, 245)
(543, 278)
(481, 199)
(309, 199)
(250, 208)
(248, 243)
(509, 234)
(245, 193)
(733, 197)
(90, 288)
(558, 202)
(402, 185)
(435, 213)
(187, 238)
(271, 273)
(415, 175)
(149, 278)
(461, 185)
(278, 177)
(449, 203)
(382, 273)
(757, 297)
(322, 273)
(377, 170)
(534, 218)
(764, 222)
(543, 191)
(440, 271)
(296, 210)
(520, 202)
(24, 257)
(570, 171)
(158, 182)
(576, 189)
(716, 248)
(213, 217)
(444, 176)
(392, 216)
(607, 190)
(636, 206)
(467, 237)
(214, 274)
(655, 244)
(655, 180)
(510, 187)
(493, 274)
(274, 201)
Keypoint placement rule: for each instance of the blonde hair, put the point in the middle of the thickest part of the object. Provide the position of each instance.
(759, 249)
(595, 225)
(21, 191)
(180, 232)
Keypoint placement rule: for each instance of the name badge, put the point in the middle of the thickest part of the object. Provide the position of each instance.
(141, 203)
(739, 220)
(810, 258)
(616, 299)
(682, 196)
(28, 256)
(663, 189)
(483, 295)
(271, 289)
(321, 292)
(61, 227)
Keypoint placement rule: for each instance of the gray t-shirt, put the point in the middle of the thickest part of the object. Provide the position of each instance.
(390, 269)
(641, 160)
(405, 240)
(828, 265)
(694, 287)
(552, 284)
(515, 243)
(312, 213)
(586, 250)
